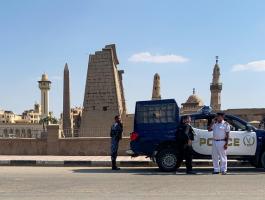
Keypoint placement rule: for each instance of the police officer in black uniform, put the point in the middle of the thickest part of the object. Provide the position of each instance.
(184, 137)
(116, 136)
(262, 123)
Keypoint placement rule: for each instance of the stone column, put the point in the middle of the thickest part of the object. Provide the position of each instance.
(53, 139)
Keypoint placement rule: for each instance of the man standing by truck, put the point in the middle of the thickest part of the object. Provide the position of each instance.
(221, 131)
(116, 136)
(184, 138)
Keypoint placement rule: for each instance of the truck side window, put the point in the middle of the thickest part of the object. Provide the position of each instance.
(150, 114)
(236, 125)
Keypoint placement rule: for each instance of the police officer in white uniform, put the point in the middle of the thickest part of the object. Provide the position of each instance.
(221, 131)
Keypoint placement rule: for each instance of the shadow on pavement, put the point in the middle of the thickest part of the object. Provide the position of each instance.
(126, 170)
(155, 171)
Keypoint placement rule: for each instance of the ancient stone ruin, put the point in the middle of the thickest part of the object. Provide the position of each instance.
(104, 96)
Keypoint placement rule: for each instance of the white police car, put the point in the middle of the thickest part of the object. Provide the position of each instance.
(245, 142)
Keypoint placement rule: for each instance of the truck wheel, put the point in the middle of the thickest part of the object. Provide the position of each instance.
(167, 160)
(262, 159)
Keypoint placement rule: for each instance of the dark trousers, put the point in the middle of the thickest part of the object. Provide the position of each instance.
(184, 152)
(114, 148)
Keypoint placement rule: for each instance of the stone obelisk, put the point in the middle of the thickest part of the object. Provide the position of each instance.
(67, 123)
(156, 88)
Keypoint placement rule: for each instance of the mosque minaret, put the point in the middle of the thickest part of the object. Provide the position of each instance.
(44, 85)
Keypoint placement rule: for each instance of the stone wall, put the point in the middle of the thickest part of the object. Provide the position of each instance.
(128, 122)
(248, 114)
(54, 145)
(89, 146)
(23, 146)
(21, 130)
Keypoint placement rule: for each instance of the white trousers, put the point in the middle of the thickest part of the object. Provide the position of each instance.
(219, 153)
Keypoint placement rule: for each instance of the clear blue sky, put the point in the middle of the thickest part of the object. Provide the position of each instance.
(40, 36)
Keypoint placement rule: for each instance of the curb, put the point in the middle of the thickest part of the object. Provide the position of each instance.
(70, 163)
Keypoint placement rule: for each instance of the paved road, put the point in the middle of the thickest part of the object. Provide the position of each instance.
(63, 183)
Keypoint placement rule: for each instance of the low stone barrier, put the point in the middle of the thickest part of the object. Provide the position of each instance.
(23, 146)
(89, 146)
(53, 145)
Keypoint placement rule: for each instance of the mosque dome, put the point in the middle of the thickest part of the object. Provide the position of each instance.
(194, 99)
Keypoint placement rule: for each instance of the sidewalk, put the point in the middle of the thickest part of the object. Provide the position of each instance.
(94, 161)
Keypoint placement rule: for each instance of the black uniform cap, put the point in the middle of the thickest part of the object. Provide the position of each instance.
(220, 114)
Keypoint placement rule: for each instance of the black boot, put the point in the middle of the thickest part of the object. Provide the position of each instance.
(114, 166)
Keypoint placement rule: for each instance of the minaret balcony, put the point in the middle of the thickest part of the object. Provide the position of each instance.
(216, 86)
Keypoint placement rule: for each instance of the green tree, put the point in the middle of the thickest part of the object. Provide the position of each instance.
(48, 120)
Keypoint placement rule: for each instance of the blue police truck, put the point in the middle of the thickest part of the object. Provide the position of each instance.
(155, 126)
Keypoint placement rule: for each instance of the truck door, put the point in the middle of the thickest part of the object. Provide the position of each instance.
(241, 141)
(202, 143)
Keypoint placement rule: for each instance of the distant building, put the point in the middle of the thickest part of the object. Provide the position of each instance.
(253, 115)
(33, 115)
(8, 117)
(27, 125)
(192, 105)
(76, 114)
(21, 130)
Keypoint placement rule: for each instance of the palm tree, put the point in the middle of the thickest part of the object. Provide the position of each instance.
(48, 120)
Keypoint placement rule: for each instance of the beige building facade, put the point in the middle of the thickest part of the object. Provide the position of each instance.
(76, 115)
(8, 117)
(21, 130)
(32, 116)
